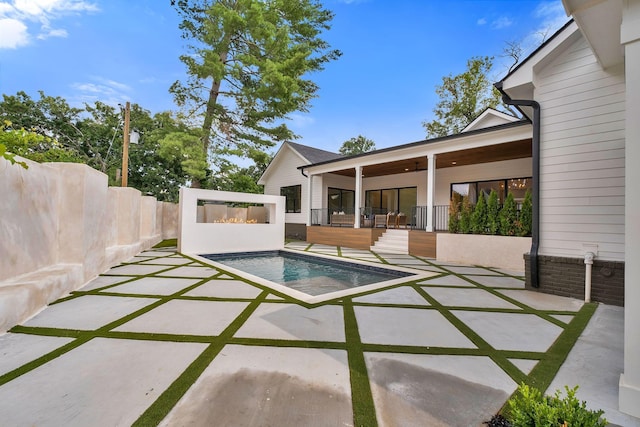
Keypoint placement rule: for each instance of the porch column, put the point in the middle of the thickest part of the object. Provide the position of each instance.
(358, 196)
(431, 188)
(309, 199)
(629, 386)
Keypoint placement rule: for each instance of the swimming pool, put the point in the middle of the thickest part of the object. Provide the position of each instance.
(310, 274)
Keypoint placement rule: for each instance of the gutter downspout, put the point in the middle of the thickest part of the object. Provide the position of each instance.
(302, 172)
(535, 148)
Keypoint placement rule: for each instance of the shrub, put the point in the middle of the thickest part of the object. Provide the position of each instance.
(493, 210)
(526, 216)
(508, 217)
(465, 216)
(530, 408)
(454, 213)
(479, 216)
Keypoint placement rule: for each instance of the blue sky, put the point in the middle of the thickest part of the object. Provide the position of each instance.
(383, 87)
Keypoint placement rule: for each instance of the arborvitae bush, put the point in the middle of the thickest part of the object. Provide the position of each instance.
(454, 213)
(479, 216)
(525, 220)
(493, 212)
(508, 217)
(465, 216)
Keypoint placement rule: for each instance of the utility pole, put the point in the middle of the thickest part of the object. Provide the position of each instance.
(125, 146)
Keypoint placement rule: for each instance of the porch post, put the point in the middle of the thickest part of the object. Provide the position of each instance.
(629, 385)
(358, 197)
(309, 199)
(431, 188)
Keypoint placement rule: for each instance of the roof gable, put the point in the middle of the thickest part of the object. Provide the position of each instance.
(313, 155)
(307, 155)
(489, 118)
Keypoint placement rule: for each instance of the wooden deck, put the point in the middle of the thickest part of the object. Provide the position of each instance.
(421, 243)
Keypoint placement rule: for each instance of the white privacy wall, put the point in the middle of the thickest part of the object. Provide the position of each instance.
(582, 156)
(212, 238)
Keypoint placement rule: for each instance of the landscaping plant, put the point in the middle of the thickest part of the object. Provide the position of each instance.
(465, 216)
(479, 216)
(508, 217)
(525, 220)
(454, 213)
(493, 212)
(530, 408)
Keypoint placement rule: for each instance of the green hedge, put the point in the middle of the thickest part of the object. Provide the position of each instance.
(488, 217)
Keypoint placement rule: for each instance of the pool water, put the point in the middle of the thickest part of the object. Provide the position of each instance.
(308, 274)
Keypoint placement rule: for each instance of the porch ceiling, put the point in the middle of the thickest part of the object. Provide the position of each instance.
(492, 153)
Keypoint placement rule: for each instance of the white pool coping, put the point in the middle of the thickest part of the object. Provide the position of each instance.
(311, 299)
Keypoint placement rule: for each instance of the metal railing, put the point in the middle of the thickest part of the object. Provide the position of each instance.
(440, 218)
(327, 216)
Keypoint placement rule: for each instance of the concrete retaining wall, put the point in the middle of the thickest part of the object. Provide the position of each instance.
(489, 251)
(61, 225)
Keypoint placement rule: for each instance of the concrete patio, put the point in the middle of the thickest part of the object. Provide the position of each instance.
(166, 340)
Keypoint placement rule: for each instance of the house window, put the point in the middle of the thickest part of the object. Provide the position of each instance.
(340, 200)
(293, 196)
(391, 200)
(517, 186)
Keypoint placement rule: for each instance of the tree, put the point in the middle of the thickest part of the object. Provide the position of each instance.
(508, 216)
(248, 68)
(463, 98)
(525, 220)
(493, 212)
(357, 145)
(479, 216)
(49, 130)
(454, 213)
(465, 216)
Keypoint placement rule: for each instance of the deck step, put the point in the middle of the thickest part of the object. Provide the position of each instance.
(392, 242)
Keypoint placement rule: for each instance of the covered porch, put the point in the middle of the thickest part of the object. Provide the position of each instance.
(353, 201)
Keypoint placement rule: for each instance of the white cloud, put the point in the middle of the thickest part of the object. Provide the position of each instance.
(13, 33)
(101, 89)
(300, 121)
(552, 17)
(501, 22)
(21, 18)
(481, 21)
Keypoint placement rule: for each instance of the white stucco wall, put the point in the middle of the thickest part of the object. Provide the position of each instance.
(490, 251)
(60, 227)
(212, 238)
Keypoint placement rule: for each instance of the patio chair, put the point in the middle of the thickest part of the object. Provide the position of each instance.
(401, 220)
(391, 220)
(379, 221)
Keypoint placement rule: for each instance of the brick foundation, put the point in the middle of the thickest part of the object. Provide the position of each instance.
(565, 277)
(295, 231)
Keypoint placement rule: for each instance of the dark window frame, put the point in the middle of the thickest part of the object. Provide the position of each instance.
(341, 197)
(397, 194)
(505, 182)
(293, 198)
